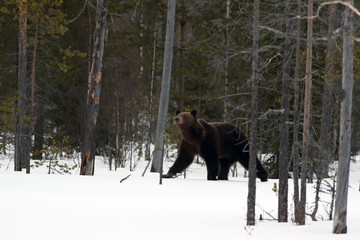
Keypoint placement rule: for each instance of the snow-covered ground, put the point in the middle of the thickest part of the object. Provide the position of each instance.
(46, 207)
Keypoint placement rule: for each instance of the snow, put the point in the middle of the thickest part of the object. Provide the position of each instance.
(42, 207)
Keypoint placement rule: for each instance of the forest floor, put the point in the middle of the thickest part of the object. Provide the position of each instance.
(39, 206)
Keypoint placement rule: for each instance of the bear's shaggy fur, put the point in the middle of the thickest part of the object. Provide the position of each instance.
(219, 144)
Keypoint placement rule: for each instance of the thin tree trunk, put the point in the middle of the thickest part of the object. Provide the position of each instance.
(295, 146)
(254, 121)
(23, 125)
(340, 214)
(39, 125)
(33, 73)
(317, 198)
(141, 49)
(36, 113)
(122, 154)
(284, 127)
(93, 98)
(307, 115)
(226, 68)
(182, 59)
(326, 146)
(165, 90)
(150, 114)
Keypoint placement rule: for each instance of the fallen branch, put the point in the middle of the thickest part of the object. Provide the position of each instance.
(125, 178)
(273, 218)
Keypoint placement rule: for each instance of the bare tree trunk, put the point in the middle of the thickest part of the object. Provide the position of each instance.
(181, 83)
(226, 69)
(33, 73)
(165, 90)
(254, 121)
(317, 198)
(23, 125)
(37, 107)
(93, 98)
(340, 225)
(326, 146)
(151, 94)
(284, 127)
(295, 146)
(39, 125)
(328, 102)
(141, 49)
(307, 115)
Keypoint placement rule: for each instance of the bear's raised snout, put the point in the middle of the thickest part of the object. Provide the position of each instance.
(176, 119)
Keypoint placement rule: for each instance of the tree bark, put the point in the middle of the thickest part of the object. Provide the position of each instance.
(284, 127)
(226, 67)
(328, 102)
(295, 146)
(23, 123)
(307, 115)
(165, 90)
(151, 94)
(326, 146)
(93, 98)
(180, 92)
(340, 214)
(254, 119)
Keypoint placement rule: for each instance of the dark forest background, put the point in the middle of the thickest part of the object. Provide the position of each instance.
(211, 71)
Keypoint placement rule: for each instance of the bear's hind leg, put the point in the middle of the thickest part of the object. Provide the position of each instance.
(225, 165)
(212, 170)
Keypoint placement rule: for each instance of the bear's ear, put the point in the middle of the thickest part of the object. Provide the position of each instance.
(177, 112)
(194, 113)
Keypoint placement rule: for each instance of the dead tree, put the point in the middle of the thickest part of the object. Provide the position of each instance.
(23, 121)
(307, 115)
(284, 127)
(165, 90)
(342, 184)
(254, 119)
(93, 96)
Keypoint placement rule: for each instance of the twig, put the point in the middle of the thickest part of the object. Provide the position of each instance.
(273, 218)
(81, 11)
(346, 4)
(125, 178)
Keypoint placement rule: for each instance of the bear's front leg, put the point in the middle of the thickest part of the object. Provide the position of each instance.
(184, 159)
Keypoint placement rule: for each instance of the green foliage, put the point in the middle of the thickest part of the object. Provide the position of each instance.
(58, 148)
(7, 126)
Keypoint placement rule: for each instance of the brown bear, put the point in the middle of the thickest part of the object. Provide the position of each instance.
(219, 144)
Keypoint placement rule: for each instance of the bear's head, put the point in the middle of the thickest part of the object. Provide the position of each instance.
(184, 119)
(187, 124)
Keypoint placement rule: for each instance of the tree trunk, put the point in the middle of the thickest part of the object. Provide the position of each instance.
(295, 146)
(326, 147)
(37, 107)
(254, 121)
(226, 68)
(284, 127)
(93, 98)
(307, 115)
(328, 102)
(151, 94)
(342, 185)
(180, 92)
(165, 90)
(39, 126)
(23, 123)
